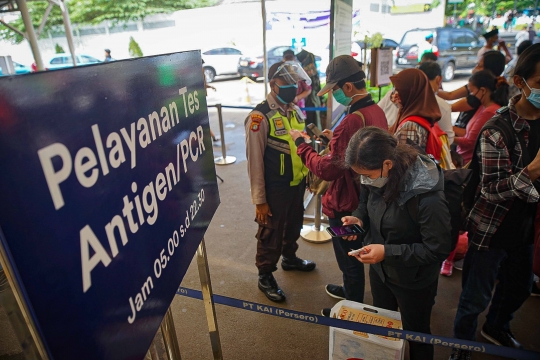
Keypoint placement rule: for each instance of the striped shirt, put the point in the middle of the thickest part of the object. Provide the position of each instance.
(501, 181)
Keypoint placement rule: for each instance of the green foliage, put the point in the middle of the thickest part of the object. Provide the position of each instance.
(58, 49)
(92, 12)
(375, 40)
(134, 48)
(486, 7)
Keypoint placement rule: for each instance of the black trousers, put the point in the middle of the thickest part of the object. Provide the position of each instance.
(280, 235)
(415, 308)
(354, 281)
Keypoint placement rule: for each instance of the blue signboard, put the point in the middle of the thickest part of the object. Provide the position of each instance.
(107, 186)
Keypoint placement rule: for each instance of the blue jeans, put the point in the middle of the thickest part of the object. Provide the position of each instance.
(513, 269)
(354, 280)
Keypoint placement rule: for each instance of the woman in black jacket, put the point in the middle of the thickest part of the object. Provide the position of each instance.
(404, 212)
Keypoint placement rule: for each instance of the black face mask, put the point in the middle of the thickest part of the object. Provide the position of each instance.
(287, 93)
(473, 101)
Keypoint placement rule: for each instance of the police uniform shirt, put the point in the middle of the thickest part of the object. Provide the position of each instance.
(257, 128)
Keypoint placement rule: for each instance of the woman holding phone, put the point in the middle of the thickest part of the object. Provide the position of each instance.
(347, 83)
(404, 213)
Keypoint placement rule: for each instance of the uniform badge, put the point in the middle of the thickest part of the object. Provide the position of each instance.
(278, 123)
(255, 126)
(279, 127)
(256, 118)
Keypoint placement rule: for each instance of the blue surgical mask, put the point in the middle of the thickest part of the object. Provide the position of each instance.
(341, 97)
(534, 96)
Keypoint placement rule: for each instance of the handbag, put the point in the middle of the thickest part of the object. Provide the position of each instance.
(314, 183)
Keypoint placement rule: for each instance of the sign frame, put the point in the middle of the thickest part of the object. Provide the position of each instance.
(381, 67)
(171, 77)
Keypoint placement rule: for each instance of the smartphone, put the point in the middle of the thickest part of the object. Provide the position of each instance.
(347, 230)
(318, 133)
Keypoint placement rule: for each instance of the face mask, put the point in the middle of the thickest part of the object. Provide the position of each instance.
(287, 93)
(534, 96)
(473, 101)
(378, 182)
(341, 97)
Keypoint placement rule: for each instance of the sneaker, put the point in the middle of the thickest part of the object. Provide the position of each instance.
(326, 312)
(500, 337)
(458, 265)
(335, 291)
(446, 268)
(535, 290)
(458, 354)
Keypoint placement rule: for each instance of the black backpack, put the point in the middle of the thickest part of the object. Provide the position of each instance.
(460, 185)
(455, 182)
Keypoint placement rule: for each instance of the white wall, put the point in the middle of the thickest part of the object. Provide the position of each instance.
(394, 26)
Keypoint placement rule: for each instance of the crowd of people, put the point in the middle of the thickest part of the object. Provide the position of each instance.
(386, 165)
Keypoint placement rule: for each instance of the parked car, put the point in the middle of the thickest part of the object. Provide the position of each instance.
(455, 48)
(220, 61)
(252, 66)
(61, 61)
(19, 69)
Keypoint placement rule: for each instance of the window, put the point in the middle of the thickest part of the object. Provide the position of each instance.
(458, 37)
(56, 60)
(386, 9)
(231, 51)
(470, 39)
(444, 40)
(373, 7)
(279, 51)
(219, 51)
(67, 60)
(414, 37)
(88, 59)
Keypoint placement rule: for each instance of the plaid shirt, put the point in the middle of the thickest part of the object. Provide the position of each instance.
(413, 131)
(501, 181)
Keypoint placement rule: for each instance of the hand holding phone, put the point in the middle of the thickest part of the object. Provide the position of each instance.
(318, 133)
(344, 231)
(362, 250)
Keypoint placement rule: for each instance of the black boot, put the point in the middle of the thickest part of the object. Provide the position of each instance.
(297, 264)
(270, 288)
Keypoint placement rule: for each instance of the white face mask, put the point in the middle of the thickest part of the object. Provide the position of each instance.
(378, 182)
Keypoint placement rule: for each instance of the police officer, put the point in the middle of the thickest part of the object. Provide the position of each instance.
(276, 175)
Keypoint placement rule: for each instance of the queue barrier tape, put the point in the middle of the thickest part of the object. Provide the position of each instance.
(372, 329)
(253, 107)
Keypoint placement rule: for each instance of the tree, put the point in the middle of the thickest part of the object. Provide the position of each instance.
(58, 49)
(92, 12)
(487, 7)
(134, 48)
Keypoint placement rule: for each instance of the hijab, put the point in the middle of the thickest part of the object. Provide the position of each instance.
(417, 97)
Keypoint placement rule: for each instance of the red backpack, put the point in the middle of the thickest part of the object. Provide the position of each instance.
(434, 143)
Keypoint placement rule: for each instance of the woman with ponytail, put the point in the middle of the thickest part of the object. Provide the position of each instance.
(403, 211)
(492, 93)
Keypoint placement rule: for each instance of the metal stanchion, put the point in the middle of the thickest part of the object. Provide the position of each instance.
(316, 233)
(206, 287)
(223, 159)
(169, 337)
